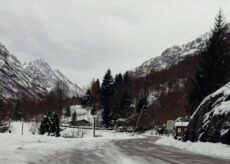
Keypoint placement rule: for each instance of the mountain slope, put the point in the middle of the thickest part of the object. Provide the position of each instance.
(42, 74)
(171, 56)
(34, 80)
(13, 79)
(165, 80)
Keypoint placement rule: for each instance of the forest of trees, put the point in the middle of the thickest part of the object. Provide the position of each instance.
(114, 96)
(27, 108)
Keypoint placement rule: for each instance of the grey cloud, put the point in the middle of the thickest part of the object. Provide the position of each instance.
(84, 38)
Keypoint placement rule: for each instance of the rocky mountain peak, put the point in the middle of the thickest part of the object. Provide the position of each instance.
(43, 74)
(171, 56)
(34, 79)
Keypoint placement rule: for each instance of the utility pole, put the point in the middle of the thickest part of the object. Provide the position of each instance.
(139, 117)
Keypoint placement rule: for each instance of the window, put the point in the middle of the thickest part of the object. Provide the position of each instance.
(178, 130)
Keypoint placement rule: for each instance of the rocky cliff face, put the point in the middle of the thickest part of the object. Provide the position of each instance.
(166, 79)
(211, 120)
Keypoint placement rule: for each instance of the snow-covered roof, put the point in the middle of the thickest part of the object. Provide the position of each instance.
(181, 124)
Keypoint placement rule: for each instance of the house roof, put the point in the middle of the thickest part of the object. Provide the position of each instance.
(181, 124)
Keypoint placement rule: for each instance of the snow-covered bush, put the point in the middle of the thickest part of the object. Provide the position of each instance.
(74, 133)
(4, 126)
(50, 124)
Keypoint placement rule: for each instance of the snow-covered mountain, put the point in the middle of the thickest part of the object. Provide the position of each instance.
(166, 77)
(34, 79)
(13, 79)
(42, 74)
(171, 56)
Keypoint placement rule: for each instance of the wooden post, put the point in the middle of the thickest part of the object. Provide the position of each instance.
(94, 126)
(22, 125)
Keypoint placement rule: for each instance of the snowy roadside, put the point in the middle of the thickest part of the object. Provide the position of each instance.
(22, 149)
(210, 149)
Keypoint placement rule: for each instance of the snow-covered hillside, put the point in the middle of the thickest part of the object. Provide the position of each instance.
(171, 56)
(42, 74)
(13, 78)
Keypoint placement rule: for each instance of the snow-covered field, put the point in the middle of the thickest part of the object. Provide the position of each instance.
(205, 148)
(26, 148)
(21, 149)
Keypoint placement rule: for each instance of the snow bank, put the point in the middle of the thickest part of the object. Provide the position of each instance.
(205, 148)
(21, 148)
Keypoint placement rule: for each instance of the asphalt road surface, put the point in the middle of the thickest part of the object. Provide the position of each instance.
(133, 151)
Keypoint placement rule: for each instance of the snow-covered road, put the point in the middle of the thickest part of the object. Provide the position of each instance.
(99, 152)
(129, 151)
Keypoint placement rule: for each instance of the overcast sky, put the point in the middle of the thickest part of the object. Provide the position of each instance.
(83, 38)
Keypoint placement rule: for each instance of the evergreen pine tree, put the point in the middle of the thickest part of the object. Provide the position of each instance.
(68, 112)
(107, 91)
(118, 81)
(50, 124)
(95, 93)
(125, 102)
(87, 99)
(56, 124)
(118, 91)
(74, 117)
(213, 69)
(93, 110)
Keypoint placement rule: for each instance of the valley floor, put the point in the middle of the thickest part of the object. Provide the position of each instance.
(111, 149)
